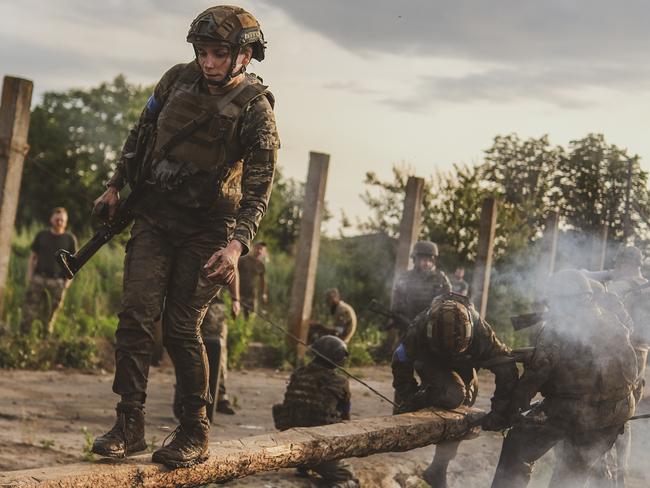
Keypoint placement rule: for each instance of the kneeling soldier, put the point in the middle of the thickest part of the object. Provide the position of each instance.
(444, 346)
(318, 395)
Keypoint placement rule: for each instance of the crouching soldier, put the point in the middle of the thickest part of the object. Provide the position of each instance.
(586, 369)
(318, 395)
(445, 346)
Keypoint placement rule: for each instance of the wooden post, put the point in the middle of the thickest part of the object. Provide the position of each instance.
(14, 126)
(304, 274)
(231, 459)
(409, 229)
(483, 267)
(549, 245)
(601, 251)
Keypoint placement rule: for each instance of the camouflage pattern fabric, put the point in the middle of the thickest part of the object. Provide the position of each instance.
(180, 225)
(449, 381)
(215, 327)
(43, 301)
(318, 395)
(585, 367)
(344, 321)
(161, 267)
(251, 272)
(415, 289)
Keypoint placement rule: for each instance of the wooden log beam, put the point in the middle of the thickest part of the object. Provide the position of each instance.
(242, 457)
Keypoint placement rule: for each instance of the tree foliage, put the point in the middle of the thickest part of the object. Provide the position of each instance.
(76, 137)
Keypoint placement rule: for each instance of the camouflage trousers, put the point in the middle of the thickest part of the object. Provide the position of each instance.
(42, 302)
(215, 327)
(527, 442)
(163, 275)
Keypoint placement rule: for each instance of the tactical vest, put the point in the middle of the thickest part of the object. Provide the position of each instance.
(599, 367)
(420, 289)
(309, 401)
(202, 170)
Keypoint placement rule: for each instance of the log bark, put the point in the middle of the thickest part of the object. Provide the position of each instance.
(242, 457)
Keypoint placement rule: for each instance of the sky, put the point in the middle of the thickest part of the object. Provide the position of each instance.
(376, 83)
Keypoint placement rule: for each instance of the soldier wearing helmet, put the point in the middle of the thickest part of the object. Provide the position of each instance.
(415, 288)
(585, 369)
(444, 346)
(318, 395)
(202, 158)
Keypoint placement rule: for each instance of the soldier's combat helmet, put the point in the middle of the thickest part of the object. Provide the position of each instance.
(449, 327)
(332, 348)
(424, 248)
(231, 25)
(629, 254)
(567, 291)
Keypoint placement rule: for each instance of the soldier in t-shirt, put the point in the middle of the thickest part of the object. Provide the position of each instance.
(46, 277)
(252, 278)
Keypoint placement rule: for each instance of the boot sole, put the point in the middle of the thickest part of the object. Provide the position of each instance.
(180, 464)
(141, 446)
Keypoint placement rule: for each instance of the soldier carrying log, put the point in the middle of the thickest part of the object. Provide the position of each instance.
(586, 369)
(444, 346)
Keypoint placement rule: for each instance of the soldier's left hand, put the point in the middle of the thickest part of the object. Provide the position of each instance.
(222, 265)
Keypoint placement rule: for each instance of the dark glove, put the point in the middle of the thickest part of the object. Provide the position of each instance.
(495, 421)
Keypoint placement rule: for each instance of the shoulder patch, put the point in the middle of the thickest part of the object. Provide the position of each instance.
(400, 353)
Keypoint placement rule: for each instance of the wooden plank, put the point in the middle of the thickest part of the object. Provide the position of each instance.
(242, 457)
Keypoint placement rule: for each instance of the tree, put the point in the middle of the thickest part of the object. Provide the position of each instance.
(76, 137)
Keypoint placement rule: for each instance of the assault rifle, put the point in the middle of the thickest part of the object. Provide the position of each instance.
(74, 262)
(137, 166)
(396, 319)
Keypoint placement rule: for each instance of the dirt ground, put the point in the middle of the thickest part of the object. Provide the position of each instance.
(48, 418)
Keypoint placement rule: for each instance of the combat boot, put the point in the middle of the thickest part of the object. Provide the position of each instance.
(127, 435)
(189, 444)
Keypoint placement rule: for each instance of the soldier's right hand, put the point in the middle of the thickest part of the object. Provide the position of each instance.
(110, 200)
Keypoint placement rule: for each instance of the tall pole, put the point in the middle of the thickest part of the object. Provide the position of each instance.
(483, 267)
(601, 255)
(304, 274)
(409, 229)
(549, 249)
(14, 126)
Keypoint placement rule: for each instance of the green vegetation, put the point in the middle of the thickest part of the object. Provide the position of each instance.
(75, 140)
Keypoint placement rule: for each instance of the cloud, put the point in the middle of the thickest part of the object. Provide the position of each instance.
(352, 87)
(561, 87)
(498, 31)
(536, 50)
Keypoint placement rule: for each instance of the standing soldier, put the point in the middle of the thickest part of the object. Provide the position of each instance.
(458, 283)
(585, 368)
(252, 278)
(215, 134)
(318, 395)
(444, 346)
(622, 281)
(415, 288)
(47, 279)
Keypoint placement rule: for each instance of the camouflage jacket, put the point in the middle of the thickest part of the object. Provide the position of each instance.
(245, 187)
(316, 395)
(413, 355)
(344, 321)
(586, 369)
(414, 290)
